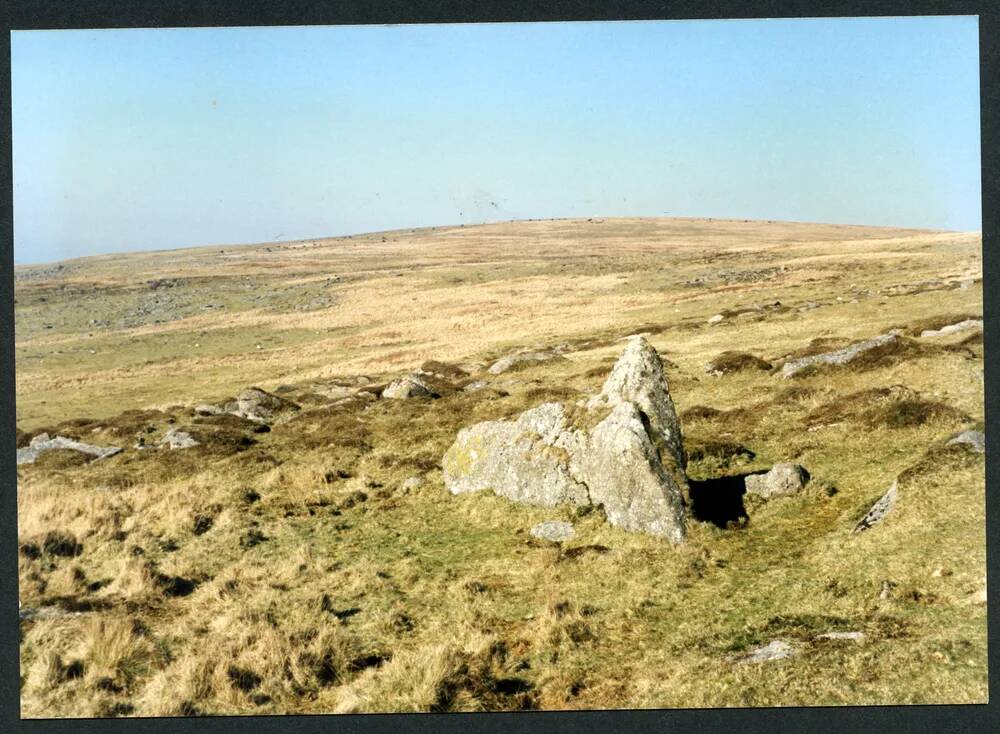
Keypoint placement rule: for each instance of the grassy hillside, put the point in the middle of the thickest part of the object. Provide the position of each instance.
(297, 570)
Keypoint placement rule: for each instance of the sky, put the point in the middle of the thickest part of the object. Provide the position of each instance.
(139, 139)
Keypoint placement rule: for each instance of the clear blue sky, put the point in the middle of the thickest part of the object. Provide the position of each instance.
(150, 139)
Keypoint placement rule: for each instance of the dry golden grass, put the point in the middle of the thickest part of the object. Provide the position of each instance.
(297, 574)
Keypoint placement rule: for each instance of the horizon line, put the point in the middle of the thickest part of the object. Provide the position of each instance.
(347, 235)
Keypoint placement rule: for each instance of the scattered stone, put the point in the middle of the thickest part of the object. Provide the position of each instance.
(42, 443)
(716, 319)
(953, 328)
(47, 612)
(522, 359)
(840, 356)
(413, 483)
(621, 449)
(261, 406)
(334, 392)
(853, 636)
(411, 386)
(475, 385)
(783, 480)
(176, 439)
(554, 530)
(976, 440)
(879, 510)
(980, 596)
(774, 650)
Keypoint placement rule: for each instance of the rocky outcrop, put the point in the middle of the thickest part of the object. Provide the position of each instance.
(879, 510)
(783, 480)
(43, 442)
(261, 406)
(953, 328)
(521, 359)
(840, 356)
(253, 404)
(411, 386)
(621, 449)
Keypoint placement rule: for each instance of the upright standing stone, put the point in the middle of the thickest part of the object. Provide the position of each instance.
(638, 377)
(621, 450)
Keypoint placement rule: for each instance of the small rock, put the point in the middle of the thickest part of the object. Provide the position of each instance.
(840, 356)
(206, 409)
(475, 385)
(953, 328)
(522, 359)
(46, 612)
(408, 387)
(261, 406)
(774, 650)
(976, 440)
(879, 510)
(42, 443)
(854, 636)
(782, 480)
(554, 530)
(413, 483)
(716, 319)
(176, 439)
(979, 597)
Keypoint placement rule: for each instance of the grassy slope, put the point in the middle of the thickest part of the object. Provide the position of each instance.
(416, 600)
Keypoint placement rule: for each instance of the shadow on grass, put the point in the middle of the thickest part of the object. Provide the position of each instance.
(719, 500)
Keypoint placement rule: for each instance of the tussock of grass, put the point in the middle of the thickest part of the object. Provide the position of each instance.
(711, 457)
(700, 412)
(732, 361)
(892, 407)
